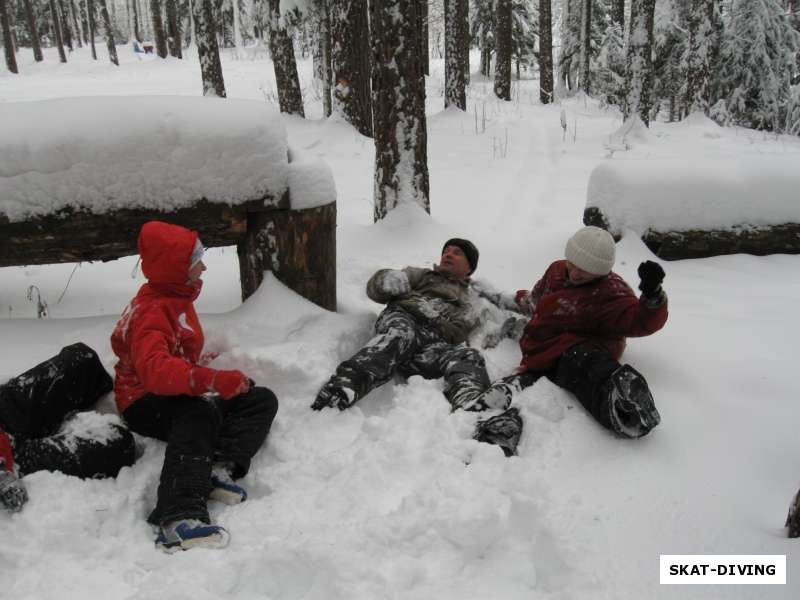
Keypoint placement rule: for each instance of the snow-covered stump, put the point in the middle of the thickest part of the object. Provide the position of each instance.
(697, 209)
(77, 183)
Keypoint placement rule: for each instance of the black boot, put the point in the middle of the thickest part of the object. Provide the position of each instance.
(793, 518)
(632, 411)
(503, 430)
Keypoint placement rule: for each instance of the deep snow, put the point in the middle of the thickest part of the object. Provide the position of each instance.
(379, 501)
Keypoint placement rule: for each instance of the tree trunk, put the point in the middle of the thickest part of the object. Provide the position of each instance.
(618, 13)
(425, 39)
(281, 47)
(192, 29)
(75, 23)
(92, 26)
(454, 84)
(586, 46)
(545, 52)
(207, 48)
(62, 56)
(350, 57)
(639, 72)
(65, 25)
(174, 29)
(503, 51)
(464, 20)
(112, 47)
(325, 74)
(401, 153)
(237, 29)
(697, 64)
(34, 33)
(8, 44)
(158, 28)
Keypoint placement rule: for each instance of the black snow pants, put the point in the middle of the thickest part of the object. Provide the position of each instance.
(405, 346)
(616, 395)
(199, 432)
(33, 408)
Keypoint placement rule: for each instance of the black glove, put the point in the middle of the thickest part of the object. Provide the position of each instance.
(12, 491)
(651, 275)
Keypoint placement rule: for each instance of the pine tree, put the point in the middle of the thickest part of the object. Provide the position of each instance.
(454, 83)
(698, 58)
(174, 37)
(92, 26)
(65, 26)
(524, 32)
(112, 48)
(158, 28)
(568, 61)
(350, 57)
(33, 31)
(639, 66)
(586, 47)
(207, 48)
(502, 68)
(670, 49)
(482, 28)
(545, 52)
(322, 56)
(609, 66)
(401, 154)
(56, 19)
(290, 99)
(8, 44)
(75, 22)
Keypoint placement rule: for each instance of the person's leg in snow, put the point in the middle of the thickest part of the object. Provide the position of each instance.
(396, 341)
(617, 396)
(198, 432)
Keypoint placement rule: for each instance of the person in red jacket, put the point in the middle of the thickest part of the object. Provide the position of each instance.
(213, 421)
(581, 314)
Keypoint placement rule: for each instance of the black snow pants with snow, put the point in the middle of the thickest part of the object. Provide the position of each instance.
(404, 345)
(35, 409)
(616, 395)
(200, 432)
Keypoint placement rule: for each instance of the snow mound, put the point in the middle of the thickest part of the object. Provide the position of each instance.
(311, 181)
(154, 152)
(679, 194)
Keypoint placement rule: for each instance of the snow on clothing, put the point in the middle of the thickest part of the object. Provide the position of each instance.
(33, 408)
(603, 311)
(160, 387)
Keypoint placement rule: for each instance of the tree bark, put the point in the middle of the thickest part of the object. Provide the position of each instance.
(290, 99)
(639, 72)
(174, 29)
(618, 13)
(350, 57)
(401, 153)
(62, 56)
(586, 46)
(34, 33)
(465, 38)
(65, 25)
(158, 28)
(502, 67)
(112, 47)
(454, 84)
(697, 65)
(92, 26)
(8, 44)
(325, 73)
(425, 37)
(207, 48)
(545, 52)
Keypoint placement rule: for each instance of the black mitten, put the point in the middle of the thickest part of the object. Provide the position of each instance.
(651, 275)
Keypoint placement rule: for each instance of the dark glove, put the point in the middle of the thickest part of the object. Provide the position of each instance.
(12, 491)
(651, 275)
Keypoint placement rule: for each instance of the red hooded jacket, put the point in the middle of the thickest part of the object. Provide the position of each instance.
(159, 339)
(604, 311)
(6, 455)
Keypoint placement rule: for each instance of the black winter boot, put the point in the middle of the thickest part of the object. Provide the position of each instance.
(503, 430)
(632, 411)
(793, 518)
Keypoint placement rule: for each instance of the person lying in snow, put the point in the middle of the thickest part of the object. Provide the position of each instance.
(423, 330)
(35, 410)
(213, 421)
(581, 313)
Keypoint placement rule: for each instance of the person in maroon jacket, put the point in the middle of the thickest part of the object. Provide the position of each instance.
(581, 314)
(213, 421)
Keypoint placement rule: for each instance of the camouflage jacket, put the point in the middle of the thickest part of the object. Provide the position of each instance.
(444, 304)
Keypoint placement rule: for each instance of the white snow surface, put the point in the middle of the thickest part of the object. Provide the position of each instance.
(678, 194)
(161, 152)
(392, 499)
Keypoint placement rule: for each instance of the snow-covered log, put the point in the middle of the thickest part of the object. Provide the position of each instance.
(693, 209)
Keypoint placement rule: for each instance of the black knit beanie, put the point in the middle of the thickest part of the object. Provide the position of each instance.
(469, 250)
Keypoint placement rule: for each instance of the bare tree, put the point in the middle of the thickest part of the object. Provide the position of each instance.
(502, 68)
(639, 72)
(290, 99)
(454, 84)
(33, 31)
(62, 56)
(545, 52)
(158, 28)
(8, 44)
(112, 48)
(207, 48)
(401, 138)
(350, 57)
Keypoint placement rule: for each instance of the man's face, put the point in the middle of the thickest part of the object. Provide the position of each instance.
(454, 263)
(577, 275)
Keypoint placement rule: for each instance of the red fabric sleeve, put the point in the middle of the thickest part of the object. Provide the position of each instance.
(629, 317)
(6, 454)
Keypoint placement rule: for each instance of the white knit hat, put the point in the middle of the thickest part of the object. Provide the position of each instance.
(591, 249)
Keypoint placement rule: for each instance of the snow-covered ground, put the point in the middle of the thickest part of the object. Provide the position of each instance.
(392, 499)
